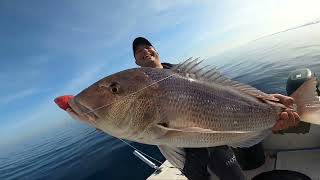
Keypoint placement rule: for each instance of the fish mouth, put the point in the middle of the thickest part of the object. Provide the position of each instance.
(82, 112)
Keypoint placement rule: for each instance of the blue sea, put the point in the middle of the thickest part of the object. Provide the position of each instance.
(77, 151)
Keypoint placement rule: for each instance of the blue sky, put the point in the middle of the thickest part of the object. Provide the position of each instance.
(52, 48)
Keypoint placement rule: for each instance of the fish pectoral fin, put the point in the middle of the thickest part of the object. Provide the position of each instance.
(252, 139)
(196, 130)
(176, 156)
(163, 133)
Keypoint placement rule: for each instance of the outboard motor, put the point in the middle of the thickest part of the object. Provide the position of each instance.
(253, 157)
(295, 80)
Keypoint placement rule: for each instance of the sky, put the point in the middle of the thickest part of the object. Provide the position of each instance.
(53, 48)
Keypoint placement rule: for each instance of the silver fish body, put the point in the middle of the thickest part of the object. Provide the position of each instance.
(179, 108)
(205, 114)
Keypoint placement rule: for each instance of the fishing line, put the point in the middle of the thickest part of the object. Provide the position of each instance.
(167, 77)
(129, 94)
(93, 110)
(140, 151)
(161, 163)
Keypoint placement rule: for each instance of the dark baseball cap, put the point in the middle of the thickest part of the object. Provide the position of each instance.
(138, 41)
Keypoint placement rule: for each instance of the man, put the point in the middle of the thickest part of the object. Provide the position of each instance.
(203, 163)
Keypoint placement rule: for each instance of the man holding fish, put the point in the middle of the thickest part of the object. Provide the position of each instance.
(199, 162)
(183, 110)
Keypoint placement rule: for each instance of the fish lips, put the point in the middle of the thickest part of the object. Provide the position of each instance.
(82, 112)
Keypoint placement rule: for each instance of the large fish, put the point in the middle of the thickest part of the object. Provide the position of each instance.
(190, 105)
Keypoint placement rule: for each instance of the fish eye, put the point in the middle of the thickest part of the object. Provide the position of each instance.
(114, 87)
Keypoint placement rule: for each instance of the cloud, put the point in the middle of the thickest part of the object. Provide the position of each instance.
(22, 75)
(35, 61)
(78, 29)
(18, 95)
(166, 5)
(46, 110)
(244, 21)
(85, 77)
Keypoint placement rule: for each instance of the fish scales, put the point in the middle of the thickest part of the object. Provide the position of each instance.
(211, 106)
(186, 106)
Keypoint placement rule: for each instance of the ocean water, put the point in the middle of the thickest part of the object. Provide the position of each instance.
(76, 151)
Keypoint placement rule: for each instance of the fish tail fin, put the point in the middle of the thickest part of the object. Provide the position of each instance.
(307, 102)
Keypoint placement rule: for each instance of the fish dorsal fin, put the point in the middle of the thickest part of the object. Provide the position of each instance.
(194, 68)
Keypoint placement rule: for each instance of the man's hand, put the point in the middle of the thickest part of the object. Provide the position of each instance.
(288, 118)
